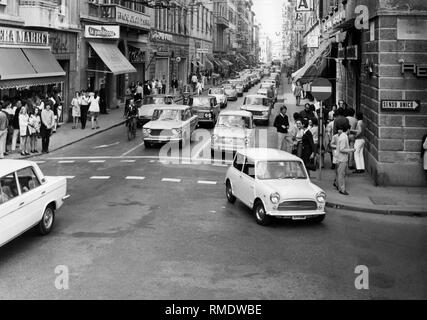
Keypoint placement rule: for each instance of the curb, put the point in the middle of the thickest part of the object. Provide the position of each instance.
(394, 212)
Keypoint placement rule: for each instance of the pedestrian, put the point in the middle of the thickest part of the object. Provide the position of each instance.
(343, 150)
(194, 81)
(289, 76)
(75, 109)
(331, 113)
(153, 86)
(34, 129)
(164, 84)
(293, 131)
(94, 110)
(139, 91)
(199, 88)
(298, 138)
(307, 113)
(175, 85)
(313, 125)
(103, 99)
(298, 92)
(308, 149)
(147, 88)
(424, 152)
(333, 146)
(24, 131)
(159, 86)
(47, 123)
(39, 103)
(359, 144)
(84, 108)
(10, 112)
(281, 123)
(329, 134)
(4, 125)
(15, 137)
(340, 120)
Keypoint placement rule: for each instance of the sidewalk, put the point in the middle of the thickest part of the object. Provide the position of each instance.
(364, 195)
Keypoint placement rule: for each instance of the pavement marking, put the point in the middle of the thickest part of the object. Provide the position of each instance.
(69, 177)
(128, 161)
(153, 161)
(135, 178)
(171, 180)
(207, 182)
(100, 177)
(107, 145)
(66, 161)
(133, 149)
(40, 162)
(96, 161)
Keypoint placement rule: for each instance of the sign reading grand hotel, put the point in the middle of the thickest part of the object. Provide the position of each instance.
(22, 37)
(104, 32)
(400, 105)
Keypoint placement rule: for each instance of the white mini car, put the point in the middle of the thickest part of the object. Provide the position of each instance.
(259, 106)
(274, 183)
(219, 94)
(28, 199)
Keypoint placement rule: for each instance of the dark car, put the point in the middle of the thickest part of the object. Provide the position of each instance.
(206, 108)
(149, 104)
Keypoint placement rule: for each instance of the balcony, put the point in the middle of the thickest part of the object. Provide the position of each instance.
(222, 21)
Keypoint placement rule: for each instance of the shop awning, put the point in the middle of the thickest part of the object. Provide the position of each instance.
(314, 66)
(241, 58)
(110, 54)
(208, 64)
(199, 64)
(30, 82)
(226, 62)
(19, 63)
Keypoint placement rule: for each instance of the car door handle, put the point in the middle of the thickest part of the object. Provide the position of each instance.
(21, 204)
(43, 193)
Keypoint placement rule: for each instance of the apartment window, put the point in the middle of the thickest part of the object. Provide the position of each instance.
(165, 19)
(192, 17)
(198, 17)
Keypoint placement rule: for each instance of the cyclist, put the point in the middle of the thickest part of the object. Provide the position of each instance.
(131, 111)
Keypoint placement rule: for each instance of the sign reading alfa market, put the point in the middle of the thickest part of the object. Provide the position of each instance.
(400, 105)
(23, 37)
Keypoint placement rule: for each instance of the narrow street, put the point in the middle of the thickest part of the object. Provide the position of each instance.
(137, 227)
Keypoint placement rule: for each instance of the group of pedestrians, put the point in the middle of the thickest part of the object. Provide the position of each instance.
(344, 139)
(24, 121)
(84, 104)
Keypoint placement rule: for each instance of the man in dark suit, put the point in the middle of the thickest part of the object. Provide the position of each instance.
(281, 123)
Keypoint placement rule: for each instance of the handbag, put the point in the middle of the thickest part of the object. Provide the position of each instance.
(311, 165)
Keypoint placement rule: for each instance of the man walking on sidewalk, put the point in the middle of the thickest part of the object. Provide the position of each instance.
(343, 150)
(84, 108)
(47, 123)
(298, 92)
(281, 123)
(4, 125)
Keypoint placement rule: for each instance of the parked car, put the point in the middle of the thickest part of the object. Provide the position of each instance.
(206, 108)
(149, 104)
(219, 94)
(230, 91)
(259, 106)
(170, 123)
(28, 199)
(268, 91)
(234, 130)
(274, 183)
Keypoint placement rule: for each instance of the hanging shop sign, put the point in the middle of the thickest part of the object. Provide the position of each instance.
(400, 105)
(22, 37)
(304, 5)
(338, 18)
(136, 55)
(352, 53)
(313, 41)
(102, 32)
(156, 36)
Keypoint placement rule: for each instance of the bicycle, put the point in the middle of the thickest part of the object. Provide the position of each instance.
(131, 124)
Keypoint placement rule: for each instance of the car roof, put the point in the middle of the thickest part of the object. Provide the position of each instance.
(158, 95)
(254, 96)
(171, 106)
(268, 154)
(7, 166)
(236, 113)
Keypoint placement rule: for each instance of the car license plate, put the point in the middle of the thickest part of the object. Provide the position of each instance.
(299, 218)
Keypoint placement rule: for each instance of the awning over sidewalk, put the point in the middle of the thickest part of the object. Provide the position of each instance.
(115, 61)
(226, 62)
(208, 64)
(315, 65)
(241, 58)
(28, 67)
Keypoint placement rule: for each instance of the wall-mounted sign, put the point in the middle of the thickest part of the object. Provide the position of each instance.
(413, 28)
(304, 5)
(22, 37)
(133, 18)
(62, 42)
(419, 70)
(299, 27)
(202, 50)
(104, 32)
(313, 41)
(136, 55)
(156, 36)
(400, 105)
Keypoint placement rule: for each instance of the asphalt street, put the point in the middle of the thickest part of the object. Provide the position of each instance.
(140, 227)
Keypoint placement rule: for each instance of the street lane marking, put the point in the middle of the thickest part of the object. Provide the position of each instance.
(133, 149)
(66, 161)
(128, 161)
(96, 161)
(100, 177)
(107, 145)
(40, 162)
(207, 182)
(135, 178)
(69, 177)
(171, 180)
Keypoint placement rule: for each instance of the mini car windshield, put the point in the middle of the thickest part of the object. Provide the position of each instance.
(217, 91)
(166, 115)
(234, 121)
(271, 170)
(229, 87)
(256, 101)
(201, 102)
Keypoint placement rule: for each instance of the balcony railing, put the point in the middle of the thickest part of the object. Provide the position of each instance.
(221, 20)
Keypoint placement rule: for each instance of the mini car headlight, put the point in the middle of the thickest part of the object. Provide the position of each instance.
(208, 115)
(247, 141)
(275, 198)
(146, 131)
(321, 197)
(265, 113)
(176, 132)
(214, 137)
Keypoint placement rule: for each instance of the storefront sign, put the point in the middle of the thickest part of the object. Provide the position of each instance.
(202, 50)
(304, 5)
(62, 42)
(313, 41)
(104, 32)
(335, 20)
(156, 36)
(400, 105)
(420, 71)
(22, 37)
(136, 56)
(132, 18)
(413, 28)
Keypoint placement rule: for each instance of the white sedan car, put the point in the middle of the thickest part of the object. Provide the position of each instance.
(274, 183)
(219, 94)
(28, 199)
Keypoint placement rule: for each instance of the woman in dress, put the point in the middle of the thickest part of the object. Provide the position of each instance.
(34, 124)
(75, 104)
(24, 130)
(94, 110)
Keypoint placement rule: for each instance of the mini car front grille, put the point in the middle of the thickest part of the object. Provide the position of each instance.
(159, 132)
(297, 206)
(257, 113)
